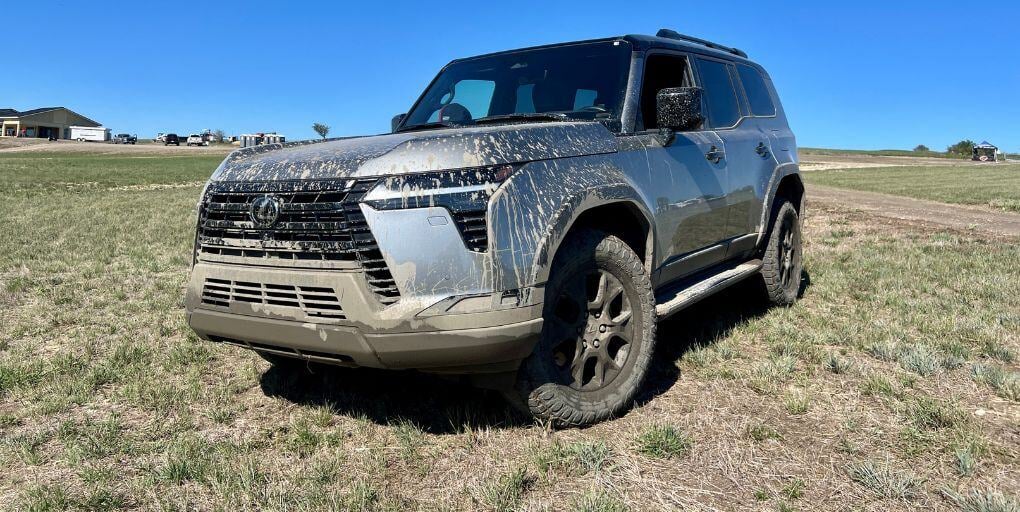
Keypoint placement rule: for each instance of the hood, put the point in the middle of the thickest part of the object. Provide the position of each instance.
(411, 152)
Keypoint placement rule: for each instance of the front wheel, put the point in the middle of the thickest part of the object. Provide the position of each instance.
(783, 263)
(598, 334)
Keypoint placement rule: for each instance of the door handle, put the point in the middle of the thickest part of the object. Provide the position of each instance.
(714, 155)
(762, 150)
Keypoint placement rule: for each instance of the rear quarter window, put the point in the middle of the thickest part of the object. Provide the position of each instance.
(757, 92)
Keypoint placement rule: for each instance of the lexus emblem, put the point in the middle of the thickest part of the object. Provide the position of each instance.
(265, 211)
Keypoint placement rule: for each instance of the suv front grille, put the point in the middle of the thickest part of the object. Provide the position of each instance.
(314, 301)
(319, 221)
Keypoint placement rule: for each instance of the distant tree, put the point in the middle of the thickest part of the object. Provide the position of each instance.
(218, 135)
(964, 148)
(921, 148)
(321, 129)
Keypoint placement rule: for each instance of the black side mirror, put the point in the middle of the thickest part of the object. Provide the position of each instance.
(679, 108)
(395, 122)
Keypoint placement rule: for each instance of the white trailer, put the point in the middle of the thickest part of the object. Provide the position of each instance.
(88, 133)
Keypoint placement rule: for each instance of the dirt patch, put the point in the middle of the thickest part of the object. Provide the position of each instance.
(967, 218)
(8, 146)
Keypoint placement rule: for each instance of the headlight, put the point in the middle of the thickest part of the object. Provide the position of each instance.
(468, 189)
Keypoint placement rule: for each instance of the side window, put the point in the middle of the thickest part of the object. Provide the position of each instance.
(757, 92)
(661, 72)
(721, 98)
(474, 95)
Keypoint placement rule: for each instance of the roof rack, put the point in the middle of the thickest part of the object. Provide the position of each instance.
(673, 34)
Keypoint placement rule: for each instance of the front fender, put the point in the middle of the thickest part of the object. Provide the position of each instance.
(533, 212)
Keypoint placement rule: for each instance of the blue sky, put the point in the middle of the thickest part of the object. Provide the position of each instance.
(850, 74)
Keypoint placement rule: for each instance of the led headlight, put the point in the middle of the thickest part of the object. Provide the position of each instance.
(462, 190)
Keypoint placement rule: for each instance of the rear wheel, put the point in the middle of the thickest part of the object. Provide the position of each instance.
(598, 334)
(783, 263)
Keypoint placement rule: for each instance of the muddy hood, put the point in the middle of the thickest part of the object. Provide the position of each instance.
(411, 152)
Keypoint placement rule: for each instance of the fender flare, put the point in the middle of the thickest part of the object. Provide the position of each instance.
(575, 205)
(778, 174)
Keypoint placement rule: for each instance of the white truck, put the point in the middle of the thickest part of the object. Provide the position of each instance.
(89, 133)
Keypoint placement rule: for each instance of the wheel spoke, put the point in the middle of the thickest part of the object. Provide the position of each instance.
(613, 290)
(598, 302)
(599, 378)
(577, 367)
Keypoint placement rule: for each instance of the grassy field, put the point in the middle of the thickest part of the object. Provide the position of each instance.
(995, 186)
(880, 152)
(893, 385)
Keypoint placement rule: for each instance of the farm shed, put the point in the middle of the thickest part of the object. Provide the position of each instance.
(41, 123)
(985, 152)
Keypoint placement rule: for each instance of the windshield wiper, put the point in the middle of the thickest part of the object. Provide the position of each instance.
(524, 116)
(428, 126)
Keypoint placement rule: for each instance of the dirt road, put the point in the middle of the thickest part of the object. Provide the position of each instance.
(8, 146)
(917, 210)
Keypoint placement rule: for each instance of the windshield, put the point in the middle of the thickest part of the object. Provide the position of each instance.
(580, 81)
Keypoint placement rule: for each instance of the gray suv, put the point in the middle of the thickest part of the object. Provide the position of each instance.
(527, 222)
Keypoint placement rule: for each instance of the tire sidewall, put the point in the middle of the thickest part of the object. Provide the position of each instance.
(777, 292)
(537, 379)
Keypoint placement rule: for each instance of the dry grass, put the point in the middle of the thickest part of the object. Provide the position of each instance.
(890, 386)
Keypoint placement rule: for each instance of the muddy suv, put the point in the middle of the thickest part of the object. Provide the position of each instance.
(527, 223)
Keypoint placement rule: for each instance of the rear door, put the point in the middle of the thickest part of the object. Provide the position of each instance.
(748, 150)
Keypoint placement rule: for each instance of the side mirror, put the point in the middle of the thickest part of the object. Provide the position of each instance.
(395, 122)
(679, 108)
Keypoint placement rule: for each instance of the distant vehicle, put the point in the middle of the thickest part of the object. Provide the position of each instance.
(124, 138)
(197, 140)
(160, 137)
(90, 134)
(171, 138)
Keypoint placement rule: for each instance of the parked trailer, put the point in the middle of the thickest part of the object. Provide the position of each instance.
(88, 133)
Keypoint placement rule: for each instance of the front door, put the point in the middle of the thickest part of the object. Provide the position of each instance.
(687, 175)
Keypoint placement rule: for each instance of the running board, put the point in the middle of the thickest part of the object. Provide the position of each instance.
(675, 300)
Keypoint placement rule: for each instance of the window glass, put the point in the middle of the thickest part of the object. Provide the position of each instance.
(474, 95)
(525, 100)
(584, 98)
(563, 79)
(723, 109)
(757, 92)
(661, 72)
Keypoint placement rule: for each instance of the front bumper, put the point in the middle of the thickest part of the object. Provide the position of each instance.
(280, 316)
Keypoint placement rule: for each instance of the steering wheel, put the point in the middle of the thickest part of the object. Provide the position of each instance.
(455, 113)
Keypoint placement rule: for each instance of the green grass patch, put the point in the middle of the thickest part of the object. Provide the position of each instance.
(994, 186)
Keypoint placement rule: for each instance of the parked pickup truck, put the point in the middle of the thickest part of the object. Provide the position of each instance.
(196, 140)
(528, 222)
(124, 138)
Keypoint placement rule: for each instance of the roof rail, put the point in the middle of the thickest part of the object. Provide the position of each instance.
(673, 34)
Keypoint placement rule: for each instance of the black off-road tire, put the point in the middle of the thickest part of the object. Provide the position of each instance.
(782, 263)
(618, 334)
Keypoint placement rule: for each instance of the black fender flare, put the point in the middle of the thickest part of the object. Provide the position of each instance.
(778, 174)
(573, 207)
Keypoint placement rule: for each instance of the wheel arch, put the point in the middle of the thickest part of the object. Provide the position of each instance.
(785, 182)
(615, 209)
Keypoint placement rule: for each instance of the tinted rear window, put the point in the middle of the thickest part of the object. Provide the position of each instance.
(757, 92)
(723, 109)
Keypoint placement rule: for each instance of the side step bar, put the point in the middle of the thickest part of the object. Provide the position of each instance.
(675, 299)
